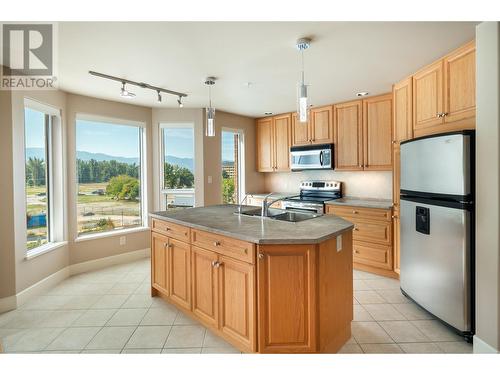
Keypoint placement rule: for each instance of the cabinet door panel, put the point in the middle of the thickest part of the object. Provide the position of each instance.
(180, 273)
(348, 136)
(286, 294)
(322, 125)
(460, 84)
(428, 96)
(282, 139)
(265, 148)
(159, 262)
(300, 132)
(237, 301)
(377, 133)
(403, 114)
(205, 291)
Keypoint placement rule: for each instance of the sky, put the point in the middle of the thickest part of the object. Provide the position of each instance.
(120, 140)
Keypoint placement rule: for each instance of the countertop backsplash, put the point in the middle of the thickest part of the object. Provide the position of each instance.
(372, 184)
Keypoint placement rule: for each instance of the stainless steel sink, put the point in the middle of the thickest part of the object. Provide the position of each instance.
(281, 215)
(295, 217)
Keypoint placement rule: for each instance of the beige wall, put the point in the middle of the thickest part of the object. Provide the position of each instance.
(254, 181)
(488, 186)
(373, 184)
(28, 272)
(98, 248)
(7, 254)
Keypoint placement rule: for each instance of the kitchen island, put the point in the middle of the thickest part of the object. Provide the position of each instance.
(263, 285)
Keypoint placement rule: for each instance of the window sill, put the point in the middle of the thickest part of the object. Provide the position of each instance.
(119, 232)
(44, 249)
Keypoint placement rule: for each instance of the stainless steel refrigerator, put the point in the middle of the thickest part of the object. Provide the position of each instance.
(437, 226)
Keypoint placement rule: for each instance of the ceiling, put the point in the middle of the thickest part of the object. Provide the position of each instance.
(344, 58)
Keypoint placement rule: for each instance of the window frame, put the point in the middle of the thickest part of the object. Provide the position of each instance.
(53, 178)
(241, 160)
(80, 116)
(163, 189)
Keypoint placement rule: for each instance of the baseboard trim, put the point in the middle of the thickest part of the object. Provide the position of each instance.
(12, 302)
(481, 347)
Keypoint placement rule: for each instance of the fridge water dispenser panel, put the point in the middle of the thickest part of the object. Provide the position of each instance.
(422, 220)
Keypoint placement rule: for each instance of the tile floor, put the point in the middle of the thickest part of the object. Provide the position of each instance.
(111, 311)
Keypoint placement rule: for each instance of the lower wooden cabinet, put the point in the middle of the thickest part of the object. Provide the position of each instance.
(180, 272)
(284, 328)
(205, 291)
(237, 301)
(159, 262)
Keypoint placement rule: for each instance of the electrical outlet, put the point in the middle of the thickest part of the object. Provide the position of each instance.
(123, 240)
(209, 179)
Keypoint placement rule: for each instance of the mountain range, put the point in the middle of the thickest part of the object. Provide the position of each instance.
(38, 152)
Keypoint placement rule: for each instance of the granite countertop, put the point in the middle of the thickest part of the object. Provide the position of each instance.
(221, 219)
(362, 202)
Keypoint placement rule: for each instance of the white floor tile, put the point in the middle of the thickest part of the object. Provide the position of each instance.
(181, 351)
(381, 348)
(420, 348)
(73, 338)
(383, 311)
(111, 338)
(185, 337)
(159, 316)
(94, 318)
(127, 317)
(403, 331)
(436, 331)
(369, 332)
(149, 337)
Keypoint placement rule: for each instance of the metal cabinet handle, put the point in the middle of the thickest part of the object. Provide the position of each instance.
(356, 228)
(216, 264)
(169, 246)
(356, 251)
(216, 243)
(261, 256)
(354, 211)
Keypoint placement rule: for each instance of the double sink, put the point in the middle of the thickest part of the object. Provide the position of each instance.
(281, 215)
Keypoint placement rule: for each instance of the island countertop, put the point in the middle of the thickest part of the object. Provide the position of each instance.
(221, 219)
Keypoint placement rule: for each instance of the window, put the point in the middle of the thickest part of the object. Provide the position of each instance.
(109, 158)
(37, 135)
(232, 166)
(178, 165)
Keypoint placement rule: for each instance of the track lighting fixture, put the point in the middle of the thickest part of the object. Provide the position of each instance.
(127, 94)
(179, 101)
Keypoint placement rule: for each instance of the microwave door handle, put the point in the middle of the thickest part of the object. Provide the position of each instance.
(321, 158)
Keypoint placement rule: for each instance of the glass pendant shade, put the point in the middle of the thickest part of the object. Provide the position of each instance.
(210, 127)
(302, 103)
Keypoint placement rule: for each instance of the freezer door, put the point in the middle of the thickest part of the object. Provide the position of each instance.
(438, 165)
(435, 258)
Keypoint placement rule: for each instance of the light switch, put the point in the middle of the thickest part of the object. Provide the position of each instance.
(339, 243)
(209, 179)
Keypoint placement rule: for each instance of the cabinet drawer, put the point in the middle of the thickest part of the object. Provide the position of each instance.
(372, 254)
(231, 247)
(372, 231)
(170, 229)
(362, 212)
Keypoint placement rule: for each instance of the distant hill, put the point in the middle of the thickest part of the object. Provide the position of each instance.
(38, 152)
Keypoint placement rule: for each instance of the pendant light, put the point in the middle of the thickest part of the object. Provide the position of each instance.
(302, 98)
(210, 111)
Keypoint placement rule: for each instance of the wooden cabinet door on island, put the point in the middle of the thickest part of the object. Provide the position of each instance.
(265, 146)
(377, 133)
(180, 273)
(159, 262)
(286, 298)
(205, 291)
(237, 305)
(348, 136)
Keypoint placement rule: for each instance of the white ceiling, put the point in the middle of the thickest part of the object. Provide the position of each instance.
(344, 58)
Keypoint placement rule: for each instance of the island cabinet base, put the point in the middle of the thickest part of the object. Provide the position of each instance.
(305, 296)
(259, 298)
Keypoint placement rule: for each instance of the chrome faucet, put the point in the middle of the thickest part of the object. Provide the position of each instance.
(241, 203)
(266, 205)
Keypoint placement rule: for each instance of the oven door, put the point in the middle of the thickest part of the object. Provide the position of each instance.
(311, 159)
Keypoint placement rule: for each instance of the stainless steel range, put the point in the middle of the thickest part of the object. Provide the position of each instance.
(313, 195)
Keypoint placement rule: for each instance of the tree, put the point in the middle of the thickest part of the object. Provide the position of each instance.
(35, 172)
(123, 187)
(228, 190)
(177, 177)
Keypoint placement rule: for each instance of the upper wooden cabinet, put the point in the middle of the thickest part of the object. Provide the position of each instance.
(348, 136)
(319, 129)
(403, 110)
(444, 93)
(377, 133)
(460, 85)
(273, 143)
(363, 134)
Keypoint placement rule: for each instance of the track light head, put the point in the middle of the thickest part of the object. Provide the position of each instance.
(181, 105)
(125, 93)
(159, 97)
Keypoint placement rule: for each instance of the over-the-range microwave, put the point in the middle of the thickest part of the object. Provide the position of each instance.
(311, 157)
